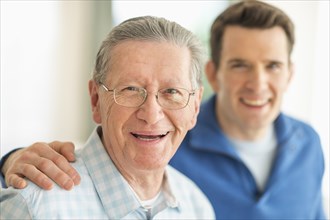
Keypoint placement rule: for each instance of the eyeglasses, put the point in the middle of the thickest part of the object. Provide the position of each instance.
(168, 98)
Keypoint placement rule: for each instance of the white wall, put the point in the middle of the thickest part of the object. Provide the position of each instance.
(47, 55)
(28, 62)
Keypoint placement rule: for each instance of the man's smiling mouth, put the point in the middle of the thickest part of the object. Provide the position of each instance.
(255, 102)
(149, 137)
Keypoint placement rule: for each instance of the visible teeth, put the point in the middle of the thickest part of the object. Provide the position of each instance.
(149, 137)
(258, 102)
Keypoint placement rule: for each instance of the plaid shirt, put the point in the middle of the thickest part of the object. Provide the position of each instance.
(104, 194)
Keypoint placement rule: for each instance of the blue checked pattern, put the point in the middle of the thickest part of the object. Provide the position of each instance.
(104, 194)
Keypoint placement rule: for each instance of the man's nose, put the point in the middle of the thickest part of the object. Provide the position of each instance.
(150, 111)
(257, 79)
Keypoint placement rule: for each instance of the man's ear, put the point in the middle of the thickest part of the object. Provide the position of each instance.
(95, 101)
(292, 71)
(211, 74)
(197, 104)
(290, 76)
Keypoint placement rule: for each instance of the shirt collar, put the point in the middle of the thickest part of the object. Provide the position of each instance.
(115, 194)
(169, 193)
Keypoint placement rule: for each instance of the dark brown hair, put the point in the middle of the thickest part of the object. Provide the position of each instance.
(249, 14)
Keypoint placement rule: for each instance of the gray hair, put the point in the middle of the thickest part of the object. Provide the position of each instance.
(148, 28)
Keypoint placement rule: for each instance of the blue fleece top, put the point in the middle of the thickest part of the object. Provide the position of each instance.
(293, 190)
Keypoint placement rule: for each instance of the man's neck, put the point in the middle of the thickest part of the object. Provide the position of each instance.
(146, 186)
(243, 133)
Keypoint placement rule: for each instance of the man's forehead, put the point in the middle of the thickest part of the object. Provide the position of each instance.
(139, 62)
(242, 42)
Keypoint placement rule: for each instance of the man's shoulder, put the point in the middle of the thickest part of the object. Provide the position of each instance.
(33, 191)
(181, 182)
(298, 134)
(39, 200)
(293, 120)
(295, 124)
(177, 175)
(189, 194)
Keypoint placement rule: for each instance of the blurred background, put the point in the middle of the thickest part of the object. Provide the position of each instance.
(48, 50)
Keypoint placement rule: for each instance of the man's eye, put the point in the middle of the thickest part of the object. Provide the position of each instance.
(130, 88)
(274, 67)
(171, 91)
(239, 66)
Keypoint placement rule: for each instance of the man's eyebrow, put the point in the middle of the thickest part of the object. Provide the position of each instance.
(276, 62)
(236, 60)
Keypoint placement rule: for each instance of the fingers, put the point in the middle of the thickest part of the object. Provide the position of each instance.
(58, 169)
(64, 148)
(17, 166)
(54, 165)
(67, 150)
(15, 181)
(33, 174)
(41, 163)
